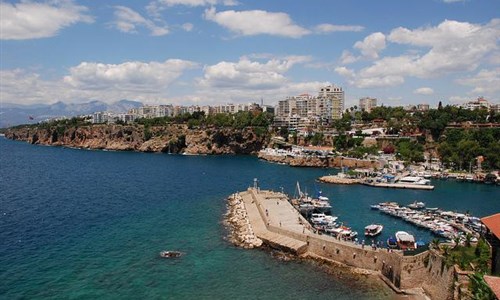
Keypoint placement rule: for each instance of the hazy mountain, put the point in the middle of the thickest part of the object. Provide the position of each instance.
(14, 114)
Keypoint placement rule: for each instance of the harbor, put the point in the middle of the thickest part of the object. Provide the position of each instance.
(277, 223)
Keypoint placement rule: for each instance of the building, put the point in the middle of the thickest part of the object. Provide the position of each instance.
(334, 100)
(367, 103)
(492, 235)
(322, 109)
(480, 103)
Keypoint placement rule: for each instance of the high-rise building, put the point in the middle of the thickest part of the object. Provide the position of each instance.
(367, 103)
(324, 108)
(332, 100)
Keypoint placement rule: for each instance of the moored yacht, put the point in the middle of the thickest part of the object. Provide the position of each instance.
(373, 229)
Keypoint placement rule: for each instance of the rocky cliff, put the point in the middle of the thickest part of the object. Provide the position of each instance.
(170, 138)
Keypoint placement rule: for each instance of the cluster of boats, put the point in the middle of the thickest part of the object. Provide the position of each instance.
(445, 224)
(307, 204)
(328, 224)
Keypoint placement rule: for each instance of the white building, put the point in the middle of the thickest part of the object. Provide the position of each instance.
(477, 104)
(367, 103)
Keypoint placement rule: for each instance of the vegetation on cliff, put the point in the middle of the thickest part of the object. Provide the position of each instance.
(153, 135)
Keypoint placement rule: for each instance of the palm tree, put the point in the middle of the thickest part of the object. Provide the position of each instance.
(435, 243)
(456, 240)
(446, 250)
(468, 239)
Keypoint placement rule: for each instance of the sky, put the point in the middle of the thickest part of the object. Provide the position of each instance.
(208, 52)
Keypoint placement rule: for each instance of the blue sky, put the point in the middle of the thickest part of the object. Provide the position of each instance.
(235, 51)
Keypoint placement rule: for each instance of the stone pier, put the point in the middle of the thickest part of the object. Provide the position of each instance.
(278, 224)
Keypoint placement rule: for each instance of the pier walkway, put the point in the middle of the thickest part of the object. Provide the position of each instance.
(265, 213)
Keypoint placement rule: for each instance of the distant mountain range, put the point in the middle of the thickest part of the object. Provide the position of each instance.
(15, 114)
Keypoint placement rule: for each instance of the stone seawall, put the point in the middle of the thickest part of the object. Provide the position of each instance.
(320, 162)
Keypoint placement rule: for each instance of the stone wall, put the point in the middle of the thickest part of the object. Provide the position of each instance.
(321, 162)
(429, 271)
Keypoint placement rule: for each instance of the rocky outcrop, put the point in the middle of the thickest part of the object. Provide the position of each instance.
(240, 230)
(171, 138)
(320, 162)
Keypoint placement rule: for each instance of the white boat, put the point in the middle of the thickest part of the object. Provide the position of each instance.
(417, 205)
(414, 180)
(373, 229)
(405, 240)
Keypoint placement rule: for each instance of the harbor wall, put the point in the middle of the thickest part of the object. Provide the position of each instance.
(321, 162)
(429, 271)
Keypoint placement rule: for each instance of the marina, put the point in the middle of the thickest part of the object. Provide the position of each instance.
(445, 224)
(276, 222)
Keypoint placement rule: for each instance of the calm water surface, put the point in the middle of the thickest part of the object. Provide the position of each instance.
(90, 224)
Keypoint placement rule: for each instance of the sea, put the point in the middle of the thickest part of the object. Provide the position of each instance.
(84, 224)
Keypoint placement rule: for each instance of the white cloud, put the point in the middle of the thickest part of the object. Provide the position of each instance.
(381, 81)
(127, 20)
(452, 47)
(33, 20)
(147, 82)
(194, 3)
(345, 72)
(485, 82)
(453, 1)
(371, 45)
(134, 75)
(327, 28)
(424, 91)
(154, 8)
(255, 22)
(348, 58)
(247, 74)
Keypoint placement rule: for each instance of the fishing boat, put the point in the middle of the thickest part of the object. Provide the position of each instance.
(373, 229)
(405, 240)
(170, 254)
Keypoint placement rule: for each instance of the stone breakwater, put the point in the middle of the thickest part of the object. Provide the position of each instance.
(173, 138)
(320, 162)
(338, 180)
(240, 230)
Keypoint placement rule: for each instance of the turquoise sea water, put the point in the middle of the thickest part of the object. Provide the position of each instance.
(90, 224)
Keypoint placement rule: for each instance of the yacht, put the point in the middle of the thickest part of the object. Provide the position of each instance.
(373, 229)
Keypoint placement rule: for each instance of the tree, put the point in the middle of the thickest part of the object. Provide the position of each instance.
(435, 243)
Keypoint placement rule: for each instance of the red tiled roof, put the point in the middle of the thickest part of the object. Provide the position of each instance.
(494, 284)
(493, 224)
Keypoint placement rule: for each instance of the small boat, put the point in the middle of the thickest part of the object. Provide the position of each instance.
(392, 243)
(373, 229)
(170, 254)
(432, 208)
(405, 240)
(417, 205)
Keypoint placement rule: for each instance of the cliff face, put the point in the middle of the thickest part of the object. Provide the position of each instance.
(171, 138)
